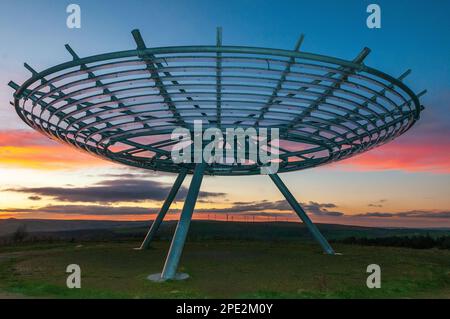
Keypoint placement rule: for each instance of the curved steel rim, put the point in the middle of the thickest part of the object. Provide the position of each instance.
(220, 49)
(341, 146)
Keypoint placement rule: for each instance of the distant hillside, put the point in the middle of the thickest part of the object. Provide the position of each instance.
(9, 226)
(107, 230)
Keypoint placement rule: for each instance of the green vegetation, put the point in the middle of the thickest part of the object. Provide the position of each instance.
(233, 268)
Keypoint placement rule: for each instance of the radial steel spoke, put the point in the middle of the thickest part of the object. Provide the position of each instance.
(124, 105)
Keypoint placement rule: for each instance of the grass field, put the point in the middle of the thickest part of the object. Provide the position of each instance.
(224, 269)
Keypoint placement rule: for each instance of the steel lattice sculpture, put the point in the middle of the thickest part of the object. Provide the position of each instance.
(123, 106)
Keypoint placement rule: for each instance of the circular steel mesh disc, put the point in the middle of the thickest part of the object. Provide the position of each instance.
(123, 106)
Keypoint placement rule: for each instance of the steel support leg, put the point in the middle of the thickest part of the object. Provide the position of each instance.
(165, 207)
(301, 213)
(179, 238)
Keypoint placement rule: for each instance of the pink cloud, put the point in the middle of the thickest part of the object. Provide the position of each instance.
(30, 149)
(433, 157)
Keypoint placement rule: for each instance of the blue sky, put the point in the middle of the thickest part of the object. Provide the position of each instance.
(414, 34)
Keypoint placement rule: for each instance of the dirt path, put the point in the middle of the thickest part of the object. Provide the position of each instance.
(4, 294)
(8, 295)
(6, 256)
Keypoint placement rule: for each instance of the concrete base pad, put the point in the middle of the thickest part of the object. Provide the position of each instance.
(157, 277)
(333, 254)
(143, 249)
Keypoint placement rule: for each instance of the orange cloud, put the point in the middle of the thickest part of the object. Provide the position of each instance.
(29, 149)
(414, 155)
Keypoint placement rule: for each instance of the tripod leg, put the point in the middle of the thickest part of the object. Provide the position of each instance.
(301, 213)
(165, 207)
(179, 238)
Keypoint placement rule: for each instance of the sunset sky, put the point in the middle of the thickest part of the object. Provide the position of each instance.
(404, 183)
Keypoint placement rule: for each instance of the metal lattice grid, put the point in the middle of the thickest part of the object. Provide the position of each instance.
(124, 105)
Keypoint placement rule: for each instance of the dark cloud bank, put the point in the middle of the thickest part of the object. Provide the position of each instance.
(101, 199)
(110, 191)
